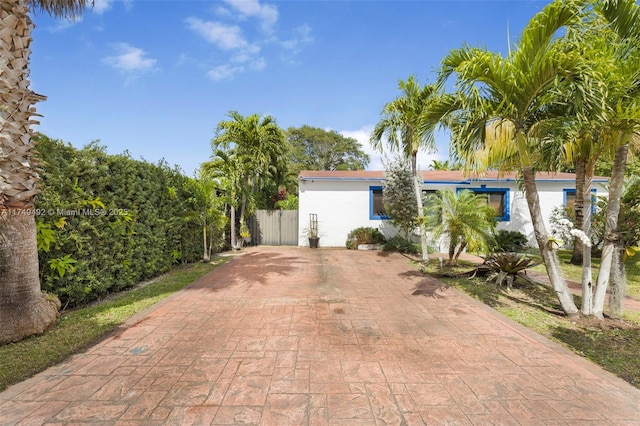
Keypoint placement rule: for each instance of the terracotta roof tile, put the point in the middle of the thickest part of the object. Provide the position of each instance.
(432, 175)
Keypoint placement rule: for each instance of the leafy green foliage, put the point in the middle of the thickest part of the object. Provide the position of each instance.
(44, 236)
(509, 241)
(63, 264)
(401, 244)
(399, 195)
(507, 267)
(312, 148)
(106, 222)
(629, 218)
(467, 220)
(364, 235)
(289, 203)
(249, 165)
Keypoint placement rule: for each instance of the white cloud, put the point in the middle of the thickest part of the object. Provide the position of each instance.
(267, 14)
(222, 72)
(229, 38)
(129, 59)
(226, 37)
(101, 6)
(65, 23)
(223, 11)
(227, 33)
(363, 134)
(301, 35)
(258, 64)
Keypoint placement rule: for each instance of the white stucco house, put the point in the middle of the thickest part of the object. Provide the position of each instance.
(345, 200)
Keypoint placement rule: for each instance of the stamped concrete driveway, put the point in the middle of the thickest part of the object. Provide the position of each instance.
(298, 336)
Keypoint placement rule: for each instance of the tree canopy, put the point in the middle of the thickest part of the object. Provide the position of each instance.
(313, 148)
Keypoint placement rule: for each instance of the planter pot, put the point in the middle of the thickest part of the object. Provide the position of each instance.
(313, 242)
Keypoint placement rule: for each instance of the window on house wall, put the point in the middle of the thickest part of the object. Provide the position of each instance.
(570, 198)
(376, 206)
(432, 216)
(497, 198)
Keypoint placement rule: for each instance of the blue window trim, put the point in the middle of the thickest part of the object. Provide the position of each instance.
(373, 216)
(594, 199)
(506, 214)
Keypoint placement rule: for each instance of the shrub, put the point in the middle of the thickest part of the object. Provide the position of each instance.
(401, 245)
(509, 241)
(109, 221)
(398, 195)
(507, 267)
(364, 235)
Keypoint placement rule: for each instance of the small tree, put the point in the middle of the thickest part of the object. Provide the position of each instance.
(399, 202)
(467, 220)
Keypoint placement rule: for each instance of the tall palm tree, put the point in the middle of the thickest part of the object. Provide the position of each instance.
(516, 91)
(23, 309)
(464, 218)
(405, 131)
(257, 145)
(593, 129)
(621, 126)
(227, 172)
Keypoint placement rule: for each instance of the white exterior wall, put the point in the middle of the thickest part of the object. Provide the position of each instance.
(343, 205)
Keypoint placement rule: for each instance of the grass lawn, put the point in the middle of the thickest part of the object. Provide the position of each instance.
(574, 272)
(612, 344)
(82, 327)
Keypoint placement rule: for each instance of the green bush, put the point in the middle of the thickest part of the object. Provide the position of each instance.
(509, 241)
(364, 235)
(106, 222)
(401, 245)
(506, 267)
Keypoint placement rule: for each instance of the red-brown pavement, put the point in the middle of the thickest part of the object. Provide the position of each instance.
(298, 336)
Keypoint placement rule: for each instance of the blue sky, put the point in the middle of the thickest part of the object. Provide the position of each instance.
(155, 77)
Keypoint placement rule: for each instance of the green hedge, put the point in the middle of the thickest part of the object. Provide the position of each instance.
(106, 222)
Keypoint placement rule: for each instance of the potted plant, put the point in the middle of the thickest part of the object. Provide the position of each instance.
(312, 231)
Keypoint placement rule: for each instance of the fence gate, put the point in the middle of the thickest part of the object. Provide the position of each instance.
(274, 227)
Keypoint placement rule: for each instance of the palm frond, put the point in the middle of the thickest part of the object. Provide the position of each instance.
(60, 8)
(623, 17)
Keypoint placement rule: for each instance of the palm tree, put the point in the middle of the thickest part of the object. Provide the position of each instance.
(515, 92)
(405, 131)
(465, 218)
(227, 171)
(593, 130)
(444, 165)
(621, 125)
(255, 146)
(23, 309)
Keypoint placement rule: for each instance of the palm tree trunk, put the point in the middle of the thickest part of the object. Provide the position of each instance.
(611, 234)
(618, 278)
(579, 206)
(423, 230)
(452, 251)
(205, 256)
(417, 181)
(23, 309)
(463, 245)
(234, 237)
(587, 278)
(551, 262)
